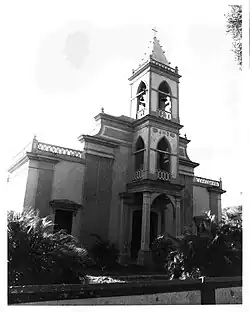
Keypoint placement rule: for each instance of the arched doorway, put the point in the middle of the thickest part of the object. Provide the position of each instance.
(166, 210)
(136, 231)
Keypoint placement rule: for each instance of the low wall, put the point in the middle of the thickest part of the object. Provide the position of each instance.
(201, 291)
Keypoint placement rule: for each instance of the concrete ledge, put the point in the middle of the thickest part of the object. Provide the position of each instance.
(39, 293)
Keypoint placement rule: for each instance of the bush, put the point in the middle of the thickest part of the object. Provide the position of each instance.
(36, 255)
(104, 254)
(217, 251)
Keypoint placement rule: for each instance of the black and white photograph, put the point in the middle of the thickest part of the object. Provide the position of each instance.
(124, 151)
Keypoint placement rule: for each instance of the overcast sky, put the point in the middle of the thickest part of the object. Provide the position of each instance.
(64, 60)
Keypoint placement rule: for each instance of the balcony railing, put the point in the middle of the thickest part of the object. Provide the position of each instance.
(141, 113)
(163, 175)
(163, 114)
(207, 182)
(58, 150)
(139, 175)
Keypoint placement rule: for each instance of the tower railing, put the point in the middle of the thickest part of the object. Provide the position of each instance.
(163, 175)
(141, 113)
(163, 114)
(139, 175)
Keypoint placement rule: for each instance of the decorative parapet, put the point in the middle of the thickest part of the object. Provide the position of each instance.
(163, 175)
(207, 182)
(58, 150)
(139, 175)
(163, 114)
(37, 147)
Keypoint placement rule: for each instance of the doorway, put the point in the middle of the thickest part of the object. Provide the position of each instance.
(63, 220)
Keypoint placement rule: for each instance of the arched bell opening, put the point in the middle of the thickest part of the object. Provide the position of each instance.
(141, 99)
(164, 98)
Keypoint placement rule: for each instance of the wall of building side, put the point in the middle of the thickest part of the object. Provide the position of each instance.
(119, 179)
(16, 188)
(156, 80)
(44, 187)
(155, 135)
(201, 200)
(145, 77)
(97, 192)
(68, 181)
(31, 187)
(186, 207)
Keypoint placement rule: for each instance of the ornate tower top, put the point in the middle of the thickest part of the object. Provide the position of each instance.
(155, 51)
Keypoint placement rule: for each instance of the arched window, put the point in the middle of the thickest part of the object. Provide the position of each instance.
(139, 154)
(163, 155)
(141, 96)
(164, 97)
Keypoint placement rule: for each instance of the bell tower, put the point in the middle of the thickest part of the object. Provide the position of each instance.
(155, 107)
(154, 86)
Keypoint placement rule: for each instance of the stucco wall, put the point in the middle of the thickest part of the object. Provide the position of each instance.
(97, 198)
(16, 188)
(68, 181)
(119, 180)
(201, 200)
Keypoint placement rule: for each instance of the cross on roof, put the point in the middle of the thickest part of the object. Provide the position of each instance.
(154, 31)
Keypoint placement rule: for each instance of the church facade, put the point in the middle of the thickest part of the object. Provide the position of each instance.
(132, 180)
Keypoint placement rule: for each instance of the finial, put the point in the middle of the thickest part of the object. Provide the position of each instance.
(185, 136)
(102, 110)
(176, 69)
(154, 32)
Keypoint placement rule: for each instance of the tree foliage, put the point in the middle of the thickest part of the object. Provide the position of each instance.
(234, 27)
(217, 251)
(36, 255)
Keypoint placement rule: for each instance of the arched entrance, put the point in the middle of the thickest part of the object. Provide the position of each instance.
(166, 210)
(136, 231)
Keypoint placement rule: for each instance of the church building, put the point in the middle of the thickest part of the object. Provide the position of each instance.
(132, 180)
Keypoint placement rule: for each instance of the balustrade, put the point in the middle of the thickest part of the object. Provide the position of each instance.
(139, 174)
(163, 114)
(141, 113)
(44, 147)
(163, 175)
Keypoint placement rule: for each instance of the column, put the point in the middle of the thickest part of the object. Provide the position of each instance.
(144, 256)
(178, 216)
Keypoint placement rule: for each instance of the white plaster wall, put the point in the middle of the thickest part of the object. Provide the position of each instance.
(201, 200)
(68, 181)
(16, 188)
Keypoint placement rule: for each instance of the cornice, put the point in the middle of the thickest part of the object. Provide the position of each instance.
(103, 116)
(98, 140)
(158, 121)
(188, 163)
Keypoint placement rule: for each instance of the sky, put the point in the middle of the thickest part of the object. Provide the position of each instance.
(64, 60)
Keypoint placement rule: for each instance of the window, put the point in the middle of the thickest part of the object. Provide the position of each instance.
(139, 154)
(141, 96)
(164, 97)
(163, 155)
(63, 220)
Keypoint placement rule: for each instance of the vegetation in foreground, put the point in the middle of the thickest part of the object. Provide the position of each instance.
(36, 255)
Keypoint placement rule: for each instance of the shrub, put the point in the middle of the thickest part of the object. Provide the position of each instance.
(104, 254)
(36, 255)
(217, 251)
